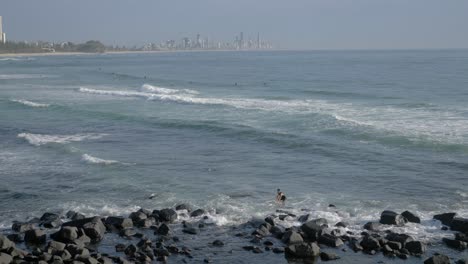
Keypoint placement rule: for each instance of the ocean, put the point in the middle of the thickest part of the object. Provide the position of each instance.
(365, 131)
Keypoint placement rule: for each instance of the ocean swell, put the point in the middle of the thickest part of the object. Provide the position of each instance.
(94, 160)
(30, 103)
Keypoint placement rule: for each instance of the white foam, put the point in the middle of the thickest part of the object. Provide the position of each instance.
(444, 125)
(94, 160)
(162, 90)
(30, 103)
(16, 59)
(40, 139)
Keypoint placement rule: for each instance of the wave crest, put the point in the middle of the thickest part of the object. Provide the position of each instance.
(94, 160)
(40, 139)
(29, 103)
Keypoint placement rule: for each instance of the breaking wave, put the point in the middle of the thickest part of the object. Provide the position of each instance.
(30, 103)
(93, 160)
(40, 139)
(162, 90)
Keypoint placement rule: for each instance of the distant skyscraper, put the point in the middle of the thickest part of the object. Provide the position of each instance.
(241, 40)
(2, 35)
(258, 40)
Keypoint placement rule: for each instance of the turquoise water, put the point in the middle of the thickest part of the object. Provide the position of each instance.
(364, 130)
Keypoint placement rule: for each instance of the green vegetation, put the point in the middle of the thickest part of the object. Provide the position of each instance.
(92, 46)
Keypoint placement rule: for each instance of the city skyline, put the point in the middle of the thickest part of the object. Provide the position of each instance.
(300, 24)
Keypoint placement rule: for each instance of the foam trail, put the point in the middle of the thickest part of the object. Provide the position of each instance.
(162, 90)
(23, 76)
(94, 160)
(30, 103)
(40, 139)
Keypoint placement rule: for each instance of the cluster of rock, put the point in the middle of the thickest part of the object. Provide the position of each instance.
(51, 240)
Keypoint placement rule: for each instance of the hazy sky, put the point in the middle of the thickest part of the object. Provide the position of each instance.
(295, 24)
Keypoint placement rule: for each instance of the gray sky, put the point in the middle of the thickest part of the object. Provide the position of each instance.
(293, 24)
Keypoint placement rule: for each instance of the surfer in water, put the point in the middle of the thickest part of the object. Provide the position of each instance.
(280, 197)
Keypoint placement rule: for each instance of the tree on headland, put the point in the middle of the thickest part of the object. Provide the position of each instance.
(92, 46)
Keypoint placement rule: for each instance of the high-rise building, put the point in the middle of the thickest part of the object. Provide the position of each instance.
(258, 40)
(2, 35)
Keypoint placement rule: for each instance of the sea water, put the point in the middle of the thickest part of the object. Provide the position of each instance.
(363, 130)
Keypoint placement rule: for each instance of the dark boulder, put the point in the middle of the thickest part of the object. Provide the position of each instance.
(304, 250)
(120, 248)
(305, 218)
(190, 230)
(462, 261)
(163, 230)
(278, 250)
(35, 236)
(372, 226)
(392, 218)
(197, 212)
(137, 216)
(5, 258)
(437, 259)
(328, 256)
(5, 242)
(277, 231)
(218, 243)
(183, 207)
(292, 237)
(146, 223)
(461, 237)
(22, 227)
(330, 240)
(394, 245)
(167, 215)
(410, 217)
(95, 229)
(401, 238)
(445, 218)
(416, 247)
(341, 224)
(369, 243)
(66, 234)
(455, 244)
(17, 238)
(459, 224)
(47, 217)
(119, 222)
(270, 220)
(312, 230)
(128, 232)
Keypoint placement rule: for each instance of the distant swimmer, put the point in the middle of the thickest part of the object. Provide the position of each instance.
(280, 197)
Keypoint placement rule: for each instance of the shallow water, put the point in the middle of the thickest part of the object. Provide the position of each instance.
(364, 130)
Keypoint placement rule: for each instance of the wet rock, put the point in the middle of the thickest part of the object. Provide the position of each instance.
(458, 236)
(218, 243)
(137, 216)
(341, 224)
(77, 250)
(330, 240)
(437, 259)
(207, 260)
(262, 231)
(5, 242)
(163, 230)
(278, 250)
(52, 223)
(46, 217)
(401, 238)
(462, 261)
(130, 250)
(312, 230)
(93, 227)
(355, 245)
(53, 247)
(183, 207)
(394, 245)
(22, 227)
(5, 258)
(292, 237)
(17, 238)
(270, 220)
(268, 243)
(305, 218)
(415, 247)
(190, 230)
(248, 248)
(445, 218)
(197, 212)
(146, 223)
(120, 248)
(119, 222)
(35, 236)
(66, 234)
(129, 232)
(370, 243)
(167, 215)
(391, 218)
(328, 256)
(459, 224)
(410, 217)
(257, 250)
(304, 250)
(455, 244)
(277, 231)
(371, 226)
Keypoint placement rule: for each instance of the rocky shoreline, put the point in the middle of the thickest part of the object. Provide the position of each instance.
(147, 236)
